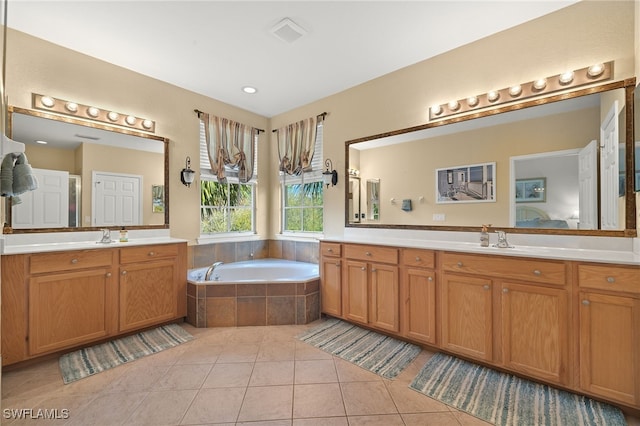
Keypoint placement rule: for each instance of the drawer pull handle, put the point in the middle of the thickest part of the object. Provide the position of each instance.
(586, 302)
(459, 264)
(537, 273)
(363, 268)
(368, 253)
(108, 274)
(74, 261)
(151, 253)
(124, 272)
(611, 280)
(486, 286)
(418, 259)
(505, 290)
(330, 250)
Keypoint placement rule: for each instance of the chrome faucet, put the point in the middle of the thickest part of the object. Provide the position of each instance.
(207, 275)
(502, 240)
(106, 236)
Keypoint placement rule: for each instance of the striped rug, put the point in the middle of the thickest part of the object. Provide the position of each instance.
(504, 399)
(95, 359)
(380, 354)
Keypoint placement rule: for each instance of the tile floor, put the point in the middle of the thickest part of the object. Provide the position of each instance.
(247, 375)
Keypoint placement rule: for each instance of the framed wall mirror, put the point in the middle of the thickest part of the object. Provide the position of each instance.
(542, 131)
(90, 176)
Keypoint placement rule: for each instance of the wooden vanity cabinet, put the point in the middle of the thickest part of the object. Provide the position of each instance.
(609, 310)
(418, 295)
(370, 287)
(331, 278)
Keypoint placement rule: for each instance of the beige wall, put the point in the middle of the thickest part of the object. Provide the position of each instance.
(571, 38)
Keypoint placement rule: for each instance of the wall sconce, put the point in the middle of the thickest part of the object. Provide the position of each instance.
(187, 175)
(566, 80)
(329, 176)
(87, 112)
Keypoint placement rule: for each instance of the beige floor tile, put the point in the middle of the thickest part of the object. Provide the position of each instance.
(271, 373)
(267, 403)
(55, 410)
(200, 354)
(230, 375)
(137, 378)
(108, 409)
(435, 419)
(379, 420)
(277, 351)
(239, 352)
(322, 421)
(251, 335)
(467, 419)
(409, 401)
(265, 423)
(162, 408)
(348, 372)
(188, 376)
(307, 352)
(315, 371)
(215, 406)
(367, 398)
(317, 400)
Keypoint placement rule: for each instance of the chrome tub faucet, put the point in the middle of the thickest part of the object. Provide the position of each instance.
(207, 275)
(502, 240)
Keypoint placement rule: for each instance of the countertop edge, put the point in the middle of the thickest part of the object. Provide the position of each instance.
(86, 245)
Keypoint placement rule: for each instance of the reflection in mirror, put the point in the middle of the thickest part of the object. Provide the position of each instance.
(89, 175)
(542, 140)
(373, 199)
(354, 199)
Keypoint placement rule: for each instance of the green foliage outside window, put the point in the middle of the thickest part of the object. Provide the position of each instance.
(303, 207)
(225, 207)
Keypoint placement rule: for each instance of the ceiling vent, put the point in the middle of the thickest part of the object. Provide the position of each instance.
(287, 30)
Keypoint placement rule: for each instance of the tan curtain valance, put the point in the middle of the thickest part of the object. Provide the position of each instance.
(296, 144)
(230, 144)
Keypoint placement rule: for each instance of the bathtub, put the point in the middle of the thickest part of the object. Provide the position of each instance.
(254, 293)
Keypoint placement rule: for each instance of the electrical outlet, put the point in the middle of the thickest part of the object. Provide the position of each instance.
(438, 217)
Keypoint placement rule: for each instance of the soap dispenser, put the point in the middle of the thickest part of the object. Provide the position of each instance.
(124, 235)
(484, 236)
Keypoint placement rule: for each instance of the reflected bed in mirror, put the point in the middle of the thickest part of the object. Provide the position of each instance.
(90, 175)
(540, 140)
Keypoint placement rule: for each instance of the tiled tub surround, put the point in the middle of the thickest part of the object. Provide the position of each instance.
(256, 292)
(205, 254)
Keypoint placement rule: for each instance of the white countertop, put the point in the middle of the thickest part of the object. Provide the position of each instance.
(85, 245)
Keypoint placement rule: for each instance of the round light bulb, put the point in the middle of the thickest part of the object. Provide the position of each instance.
(493, 96)
(540, 84)
(453, 105)
(515, 90)
(473, 101)
(566, 77)
(595, 70)
(71, 106)
(113, 116)
(250, 90)
(147, 124)
(131, 120)
(436, 110)
(47, 101)
(93, 112)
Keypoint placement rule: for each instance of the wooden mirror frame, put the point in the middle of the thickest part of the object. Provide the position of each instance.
(7, 229)
(630, 199)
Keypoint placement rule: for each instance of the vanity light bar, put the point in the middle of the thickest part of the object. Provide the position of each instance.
(87, 112)
(564, 81)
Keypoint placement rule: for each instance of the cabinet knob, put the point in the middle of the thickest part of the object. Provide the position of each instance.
(108, 274)
(151, 253)
(368, 253)
(330, 250)
(373, 269)
(585, 302)
(459, 264)
(505, 290)
(418, 259)
(364, 268)
(430, 279)
(337, 263)
(537, 273)
(486, 286)
(74, 261)
(124, 272)
(611, 280)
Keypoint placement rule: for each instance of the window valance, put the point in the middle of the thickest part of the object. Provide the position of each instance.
(296, 145)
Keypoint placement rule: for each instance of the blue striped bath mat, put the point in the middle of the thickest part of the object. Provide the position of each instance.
(380, 354)
(95, 359)
(504, 399)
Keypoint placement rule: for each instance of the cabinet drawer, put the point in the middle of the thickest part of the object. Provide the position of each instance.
(418, 258)
(330, 249)
(540, 271)
(144, 253)
(371, 253)
(70, 260)
(609, 278)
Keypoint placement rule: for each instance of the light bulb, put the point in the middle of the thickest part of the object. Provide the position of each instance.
(454, 105)
(47, 101)
(473, 101)
(515, 90)
(436, 110)
(540, 84)
(493, 96)
(113, 116)
(595, 70)
(566, 77)
(71, 106)
(93, 112)
(131, 120)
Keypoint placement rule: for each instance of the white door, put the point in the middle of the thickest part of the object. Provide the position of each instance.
(116, 199)
(609, 170)
(47, 206)
(588, 184)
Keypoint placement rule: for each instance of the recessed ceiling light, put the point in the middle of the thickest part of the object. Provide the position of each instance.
(250, 90)
(42, 142)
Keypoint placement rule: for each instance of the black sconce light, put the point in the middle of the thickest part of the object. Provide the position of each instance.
(329, 176)
(187, 175)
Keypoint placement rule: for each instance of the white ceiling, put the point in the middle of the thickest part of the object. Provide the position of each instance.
(216, 47)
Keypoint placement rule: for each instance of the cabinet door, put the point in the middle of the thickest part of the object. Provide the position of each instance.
(384, 313)
(355, 292)
(330, 286)
(68, 309)
(534, 331)
(418, 306)
(467, 325)
(147, 294)
(609, 350)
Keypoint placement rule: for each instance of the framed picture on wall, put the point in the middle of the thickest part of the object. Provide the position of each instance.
(474, 183)
(531, 190)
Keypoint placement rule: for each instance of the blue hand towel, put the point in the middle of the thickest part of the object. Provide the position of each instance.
(23, 177)
(6, 176)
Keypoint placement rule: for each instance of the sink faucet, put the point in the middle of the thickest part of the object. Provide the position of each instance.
(106, 236)
(207, 275)
(502, 240)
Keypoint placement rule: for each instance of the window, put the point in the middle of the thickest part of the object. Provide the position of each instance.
(225, 207)
(302, 196)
